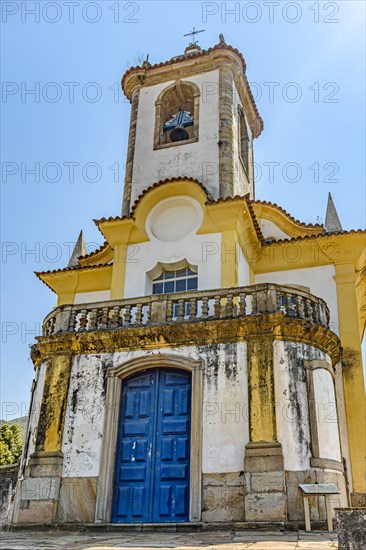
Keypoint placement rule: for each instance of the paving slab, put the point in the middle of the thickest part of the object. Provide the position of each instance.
(219, 540)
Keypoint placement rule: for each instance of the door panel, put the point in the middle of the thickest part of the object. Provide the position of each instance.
(132, 487)
(153, 451)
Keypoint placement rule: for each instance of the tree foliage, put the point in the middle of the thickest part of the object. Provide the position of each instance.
(11, 444)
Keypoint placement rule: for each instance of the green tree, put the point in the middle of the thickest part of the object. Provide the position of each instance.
(11, 444)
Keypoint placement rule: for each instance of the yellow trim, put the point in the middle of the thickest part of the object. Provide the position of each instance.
(262, 420)
(353, 379)
(54, 399)
(119, 272)
(67, 283)
(102, 257)
(321, 250)
(284, 221)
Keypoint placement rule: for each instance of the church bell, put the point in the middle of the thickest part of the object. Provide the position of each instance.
(177, 125)
(179, 133)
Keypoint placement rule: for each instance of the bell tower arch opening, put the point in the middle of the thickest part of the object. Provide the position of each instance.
(177, 114)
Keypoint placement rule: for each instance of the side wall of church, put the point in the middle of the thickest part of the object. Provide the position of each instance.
(307, 425)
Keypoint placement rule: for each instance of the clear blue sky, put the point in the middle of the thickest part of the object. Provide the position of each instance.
(321, 51)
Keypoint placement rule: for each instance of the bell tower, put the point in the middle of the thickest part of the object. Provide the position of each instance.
(192, 116)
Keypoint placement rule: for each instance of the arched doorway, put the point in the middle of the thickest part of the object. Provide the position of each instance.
(152, 466)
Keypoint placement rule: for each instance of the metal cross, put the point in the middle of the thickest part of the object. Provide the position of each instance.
(193, 34)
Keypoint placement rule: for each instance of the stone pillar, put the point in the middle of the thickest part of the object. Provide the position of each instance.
(40, 488)
(353, 379)
(265, 498)
(126, 205)
(226, 131)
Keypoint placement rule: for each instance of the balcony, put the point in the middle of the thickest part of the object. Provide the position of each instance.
(188, 307)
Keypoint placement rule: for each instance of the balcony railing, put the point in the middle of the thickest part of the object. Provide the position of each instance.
(188, 307)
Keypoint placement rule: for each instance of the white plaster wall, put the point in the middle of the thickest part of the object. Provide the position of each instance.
(225, 430)
(270, 229)
(326, 413)
(34, 413)
(82, 438)
(198, 160)
(320, 281)
(292, 414)
(226, 413)
(203, 251)
(90, 297)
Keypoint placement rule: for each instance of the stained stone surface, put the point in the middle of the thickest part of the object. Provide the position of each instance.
(211, 540)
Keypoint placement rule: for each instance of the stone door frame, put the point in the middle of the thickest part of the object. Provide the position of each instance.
(116, 375)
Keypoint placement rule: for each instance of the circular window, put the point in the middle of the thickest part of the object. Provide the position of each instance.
(174, 219)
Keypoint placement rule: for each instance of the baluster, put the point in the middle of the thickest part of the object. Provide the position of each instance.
(138, 317)
(309, 309)
(148, 313)
(289, 308)
(115, 319)
(104, 319)
(169, 311)
(180, 312)
(128, 316)
(254, 303)
(321, 315)
(317, 313)
(229, 305)
(279, 301)
(204, 314)
(193, 309)
(242, 304)
(72, 321)
(92, 325)
(327, 317)
(83, 319)
(217, 307)
(300, 307)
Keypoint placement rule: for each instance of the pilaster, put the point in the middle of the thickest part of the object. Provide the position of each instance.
(353, 379)
(40, 489)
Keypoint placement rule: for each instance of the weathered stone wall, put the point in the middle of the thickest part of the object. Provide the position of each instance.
(8, 480)
(351, 528)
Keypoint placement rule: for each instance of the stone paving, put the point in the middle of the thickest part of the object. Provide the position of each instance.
(218, 540)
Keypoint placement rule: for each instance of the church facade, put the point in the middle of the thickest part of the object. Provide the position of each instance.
(206, 359)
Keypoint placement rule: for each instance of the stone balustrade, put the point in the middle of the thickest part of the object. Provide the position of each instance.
(188, 307)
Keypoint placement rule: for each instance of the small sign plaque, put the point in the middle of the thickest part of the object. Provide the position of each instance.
(319, 488)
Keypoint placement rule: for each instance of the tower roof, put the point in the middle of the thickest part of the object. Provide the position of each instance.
(332, 221)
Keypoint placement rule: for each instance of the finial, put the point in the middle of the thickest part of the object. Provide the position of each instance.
(222, 40)
(146, 63)
(332, 222)
(79, 250)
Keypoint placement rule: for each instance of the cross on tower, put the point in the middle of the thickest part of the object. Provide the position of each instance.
(193, 34)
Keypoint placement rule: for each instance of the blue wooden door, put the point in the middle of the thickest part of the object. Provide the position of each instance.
(153, 450)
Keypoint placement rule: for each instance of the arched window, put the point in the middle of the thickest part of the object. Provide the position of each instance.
(177, 113)
(171, 278)
(180, 280)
